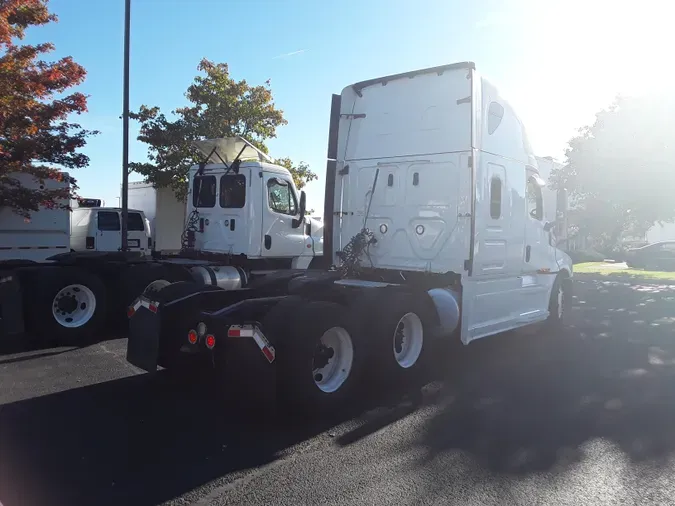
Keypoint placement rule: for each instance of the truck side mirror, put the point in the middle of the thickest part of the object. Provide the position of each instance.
(303, 207)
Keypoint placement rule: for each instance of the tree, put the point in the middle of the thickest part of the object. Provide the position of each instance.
(219, 106)
(621, 169)
(300, 172)
(35, 134)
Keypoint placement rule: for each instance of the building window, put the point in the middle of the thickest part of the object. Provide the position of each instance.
(535, 203)
(232, 191)
(204, 191)
(281, 197)
(495, 115)
(495, 197)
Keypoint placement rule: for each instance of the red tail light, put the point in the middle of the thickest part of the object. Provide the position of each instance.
(89, 243)
(130, 311)
(192, 337)
(210, 341)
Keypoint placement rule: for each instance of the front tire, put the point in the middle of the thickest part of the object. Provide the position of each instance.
(69, 305)
(559, 303)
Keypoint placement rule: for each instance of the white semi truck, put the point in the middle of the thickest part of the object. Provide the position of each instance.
(234, 236)
(433, 225)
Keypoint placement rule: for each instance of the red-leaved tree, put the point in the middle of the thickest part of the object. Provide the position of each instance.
(36, 136)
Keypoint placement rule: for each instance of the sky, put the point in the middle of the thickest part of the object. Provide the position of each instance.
(557, 62)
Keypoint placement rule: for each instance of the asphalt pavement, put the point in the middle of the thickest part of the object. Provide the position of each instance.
(520, 418)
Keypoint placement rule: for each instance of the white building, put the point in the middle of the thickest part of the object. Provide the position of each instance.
(661, 232)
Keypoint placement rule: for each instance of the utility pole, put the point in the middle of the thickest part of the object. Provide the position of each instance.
(125, 127)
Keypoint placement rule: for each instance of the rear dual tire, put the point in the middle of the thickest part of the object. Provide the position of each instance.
(319, 356)
(324, 349)
(401, 326)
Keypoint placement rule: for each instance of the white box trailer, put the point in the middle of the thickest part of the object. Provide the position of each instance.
(45, 233)
(165, 212)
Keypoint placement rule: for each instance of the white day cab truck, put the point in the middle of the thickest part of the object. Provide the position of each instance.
(433, 225)
(236, 236)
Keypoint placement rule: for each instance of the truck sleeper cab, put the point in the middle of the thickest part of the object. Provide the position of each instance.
(434, 221)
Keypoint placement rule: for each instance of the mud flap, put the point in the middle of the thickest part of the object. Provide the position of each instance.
(11, 307)
(247, 375)
(144, 332)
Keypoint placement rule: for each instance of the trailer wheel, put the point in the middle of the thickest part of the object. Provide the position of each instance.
(320, 356)
(402, 344)
(69, 305)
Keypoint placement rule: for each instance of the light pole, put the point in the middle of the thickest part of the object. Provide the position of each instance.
(125, 126)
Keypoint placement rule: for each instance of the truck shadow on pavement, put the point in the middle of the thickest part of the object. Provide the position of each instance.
(139, 440)
(529, 403)
(516, 404)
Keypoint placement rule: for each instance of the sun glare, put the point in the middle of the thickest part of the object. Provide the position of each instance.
(581, 55)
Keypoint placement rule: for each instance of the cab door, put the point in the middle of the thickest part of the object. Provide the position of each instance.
(537, 276)
(283, 236)
(490, 291)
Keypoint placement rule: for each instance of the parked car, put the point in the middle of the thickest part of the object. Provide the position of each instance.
(655, 256)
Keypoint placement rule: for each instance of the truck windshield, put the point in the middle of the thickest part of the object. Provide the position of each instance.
(204, 191)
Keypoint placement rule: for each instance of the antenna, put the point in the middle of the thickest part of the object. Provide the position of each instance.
(370, 200)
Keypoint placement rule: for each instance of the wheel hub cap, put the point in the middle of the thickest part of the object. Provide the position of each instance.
(73, 306)
(408, 340)
(332, 360)
(67, 303)
(399, 338)
(322, 356)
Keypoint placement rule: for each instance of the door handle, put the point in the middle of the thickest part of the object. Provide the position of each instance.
(527, 253)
